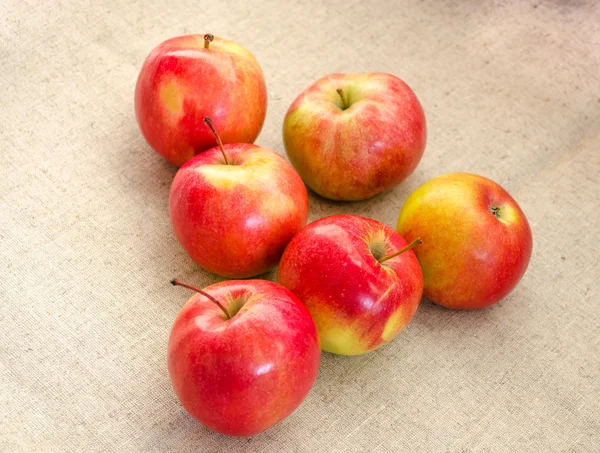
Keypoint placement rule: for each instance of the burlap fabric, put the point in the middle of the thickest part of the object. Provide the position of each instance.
(511, 91)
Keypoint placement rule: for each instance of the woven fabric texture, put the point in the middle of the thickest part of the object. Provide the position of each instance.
(511, 90)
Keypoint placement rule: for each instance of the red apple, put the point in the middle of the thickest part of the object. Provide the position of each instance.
(351, 136)
(242, 355)
(235, 208)
(359, 279)
(476, 239)
(189, 77)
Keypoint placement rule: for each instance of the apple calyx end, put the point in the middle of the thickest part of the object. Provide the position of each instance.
(402, 250)
(496, 211)
(177, 282)
(208, 38)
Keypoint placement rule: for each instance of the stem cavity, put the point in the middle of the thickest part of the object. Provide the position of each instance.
(208, 121)
(177, 282)
(402, 250)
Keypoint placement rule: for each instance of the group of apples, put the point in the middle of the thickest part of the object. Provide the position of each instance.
(243, 354)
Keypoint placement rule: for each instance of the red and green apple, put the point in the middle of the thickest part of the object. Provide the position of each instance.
(359, 279)
(476, 239)
(235, 207)
(351, 136)
(190, 77)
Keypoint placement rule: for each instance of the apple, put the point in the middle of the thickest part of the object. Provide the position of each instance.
(235, 207)
(476, 239)
(189, 77)
(359, 279)
(351, 136)
(242, 355)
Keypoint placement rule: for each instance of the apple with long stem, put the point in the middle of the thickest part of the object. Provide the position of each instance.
(242, 355)
(351, 136)
(189, 77)
(477, 241)
(359, 279)
(235, 207)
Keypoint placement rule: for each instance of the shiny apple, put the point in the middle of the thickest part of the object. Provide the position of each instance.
(476, 239)
(189, 77)
(359, 279)
(235, 208)
(242, 355)
(351, 136)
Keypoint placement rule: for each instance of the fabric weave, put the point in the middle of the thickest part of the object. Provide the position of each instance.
(510, 89)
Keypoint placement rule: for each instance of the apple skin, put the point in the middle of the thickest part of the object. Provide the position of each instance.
(470, 258)
(236, 220)
(181, 82)
(241, 376)
(357, 303)
(356, 153)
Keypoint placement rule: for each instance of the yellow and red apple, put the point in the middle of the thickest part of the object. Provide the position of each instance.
(190, 77)
(234, 209)
(346, 269)
(476, 239)
(351, 136)
(242, 355)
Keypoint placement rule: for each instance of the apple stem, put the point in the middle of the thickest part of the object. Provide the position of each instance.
(408, 247)
(208, 121)
(344, 99)
(177, 282)
(208, 38)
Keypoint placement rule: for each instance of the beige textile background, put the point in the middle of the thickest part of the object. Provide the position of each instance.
(511, 90)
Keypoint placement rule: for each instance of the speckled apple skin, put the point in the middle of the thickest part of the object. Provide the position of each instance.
(357, 303)
(181, 82)
(236, 220)
(470, 258)
(356, 153)
(241, 376)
